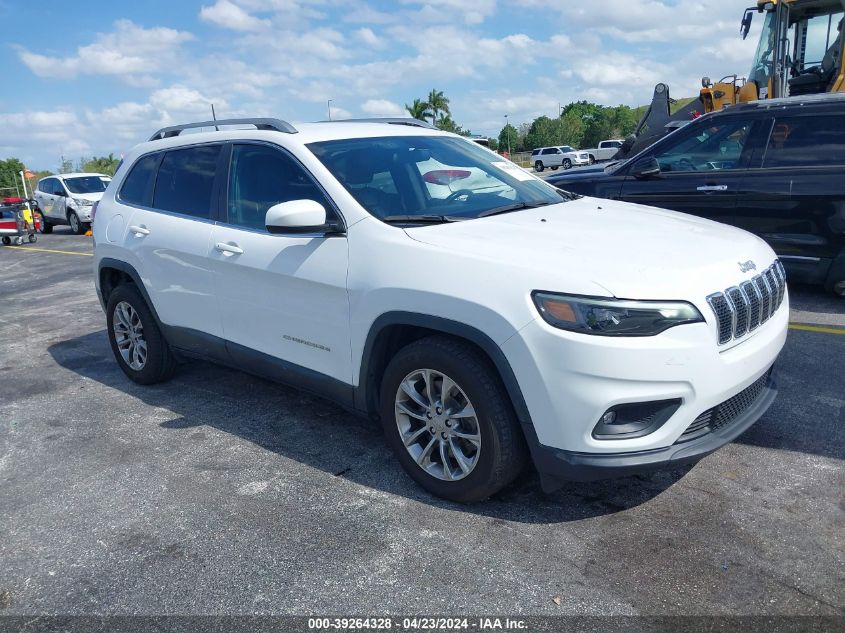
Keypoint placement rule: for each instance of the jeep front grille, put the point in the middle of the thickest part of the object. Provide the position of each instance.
(742, 309)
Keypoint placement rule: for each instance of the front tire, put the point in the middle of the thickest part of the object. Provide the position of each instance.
(538, 166)
(567, 164)
(592, 159)
(135, 338)
(449, 420)
(75, 223)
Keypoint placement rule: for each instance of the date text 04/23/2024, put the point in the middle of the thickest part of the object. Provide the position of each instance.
(417, 624)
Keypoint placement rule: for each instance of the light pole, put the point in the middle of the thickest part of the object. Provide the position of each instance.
(508, 134)
(329, 106)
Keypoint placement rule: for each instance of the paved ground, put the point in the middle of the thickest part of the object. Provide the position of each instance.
(223, 493)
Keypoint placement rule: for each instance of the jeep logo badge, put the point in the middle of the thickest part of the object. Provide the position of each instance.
(746, 266)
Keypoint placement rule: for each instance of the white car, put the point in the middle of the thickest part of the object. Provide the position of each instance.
(554, 157)
(483, 326)
(605, 151)
(68, 199)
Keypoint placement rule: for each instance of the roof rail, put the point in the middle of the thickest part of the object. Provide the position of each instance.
(389, 120)
(276, 125)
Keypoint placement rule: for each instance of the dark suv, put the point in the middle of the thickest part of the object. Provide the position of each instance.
(775, 168)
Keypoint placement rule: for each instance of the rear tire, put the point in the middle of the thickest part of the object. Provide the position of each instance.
(75, 223)
(482, 442)
(135, 338)
(538, 166)
(46, 227)
(6, 240)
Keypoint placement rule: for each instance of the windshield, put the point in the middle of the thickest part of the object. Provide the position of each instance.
(425, 177)
(761, 71)
(87, 184)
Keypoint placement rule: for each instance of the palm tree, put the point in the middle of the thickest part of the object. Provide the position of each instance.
(437, 103)
(418, 109)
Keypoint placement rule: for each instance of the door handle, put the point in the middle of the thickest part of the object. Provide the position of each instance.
(139, 231)
(710, 188)
(229, 249)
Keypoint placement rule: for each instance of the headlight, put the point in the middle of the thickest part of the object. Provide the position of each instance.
(613, 317)
(83, 202)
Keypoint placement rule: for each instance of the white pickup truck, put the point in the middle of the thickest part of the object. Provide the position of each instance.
(605, 151)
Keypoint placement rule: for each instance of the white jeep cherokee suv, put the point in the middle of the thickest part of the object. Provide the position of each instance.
(484, 320)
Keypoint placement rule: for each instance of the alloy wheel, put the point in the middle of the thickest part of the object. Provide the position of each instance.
(438, 424)
(129, 336)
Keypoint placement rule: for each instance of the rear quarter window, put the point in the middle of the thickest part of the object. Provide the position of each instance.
(137, 187)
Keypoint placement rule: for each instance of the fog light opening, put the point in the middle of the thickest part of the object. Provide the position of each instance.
(628, 421)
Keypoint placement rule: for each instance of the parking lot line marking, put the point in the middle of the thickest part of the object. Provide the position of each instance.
(816, 328)
(47, 250)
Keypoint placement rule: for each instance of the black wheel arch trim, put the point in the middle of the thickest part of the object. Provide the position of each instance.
(368, 385)
(128, 269)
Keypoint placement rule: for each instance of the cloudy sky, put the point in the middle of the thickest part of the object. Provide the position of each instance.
(104, 75)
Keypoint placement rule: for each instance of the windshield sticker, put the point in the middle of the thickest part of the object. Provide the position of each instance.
(514, 170)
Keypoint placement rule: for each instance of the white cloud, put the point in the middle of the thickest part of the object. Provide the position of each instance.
(339, 113)
(128, 52)
(181, 99)
(366, 36)
(471, 11)
(230, 16)
(383, 108)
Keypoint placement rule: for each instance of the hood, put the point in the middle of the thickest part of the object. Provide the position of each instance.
(607, 248)
(94, 197)
(580, 173)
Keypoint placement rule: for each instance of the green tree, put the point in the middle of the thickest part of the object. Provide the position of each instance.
(418, 109)
(508, 139)
(600, 122)
(543, 133)
(446, 123)
(10, 179)
(102, 165)
(571, 129)
(437, 102)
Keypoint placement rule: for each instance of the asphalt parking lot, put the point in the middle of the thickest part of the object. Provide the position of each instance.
(223, 493)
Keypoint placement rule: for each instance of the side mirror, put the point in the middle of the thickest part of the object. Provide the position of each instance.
(299, 217)
(646, 168)
(745, 25)
(61, 193)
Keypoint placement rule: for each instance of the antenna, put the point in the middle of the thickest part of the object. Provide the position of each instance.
(214, 118)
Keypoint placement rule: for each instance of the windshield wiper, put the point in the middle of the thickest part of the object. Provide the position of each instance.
(519, 206)
(420, 219)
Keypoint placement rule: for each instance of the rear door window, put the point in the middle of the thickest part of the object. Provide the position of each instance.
(185, 181)
(817, 141)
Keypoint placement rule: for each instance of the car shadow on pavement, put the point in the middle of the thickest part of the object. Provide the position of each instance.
(321, 435)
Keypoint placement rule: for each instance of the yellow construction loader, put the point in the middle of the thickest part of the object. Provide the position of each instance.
(800, 52)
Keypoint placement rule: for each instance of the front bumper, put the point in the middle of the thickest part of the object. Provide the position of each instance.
(558, 466)
(568, 381)
(83, 212)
